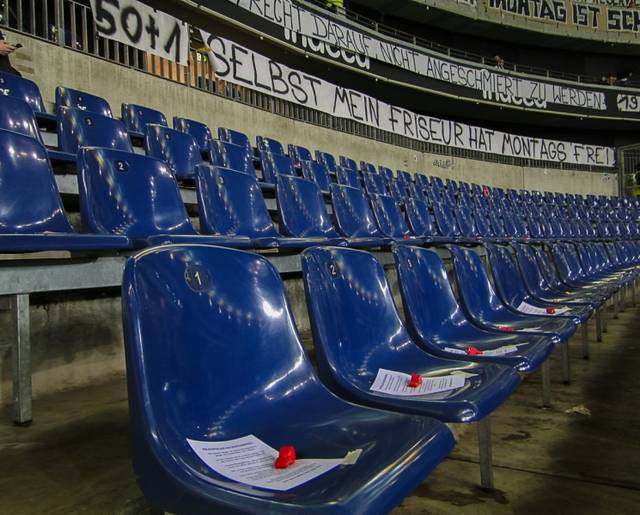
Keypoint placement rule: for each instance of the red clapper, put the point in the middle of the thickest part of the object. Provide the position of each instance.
(286, 457)
(414, 381)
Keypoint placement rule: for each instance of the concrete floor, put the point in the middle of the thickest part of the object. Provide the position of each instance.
(75, 458)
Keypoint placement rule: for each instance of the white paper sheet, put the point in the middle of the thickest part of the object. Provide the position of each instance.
(534, 310)
(250, 461)
(395, 383)
(499, 351)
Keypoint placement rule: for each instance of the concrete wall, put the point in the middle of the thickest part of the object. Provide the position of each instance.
(79, 340)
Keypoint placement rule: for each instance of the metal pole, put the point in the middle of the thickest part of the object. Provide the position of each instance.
(21, 360)
(60, 21)
(585, 340)
(566, 364)
(486, 457)
(599, 325)
(546, 383)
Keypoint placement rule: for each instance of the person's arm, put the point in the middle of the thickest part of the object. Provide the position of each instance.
(6, 48)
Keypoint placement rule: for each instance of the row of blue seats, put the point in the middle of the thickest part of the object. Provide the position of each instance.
(203, 324)
(129, 200)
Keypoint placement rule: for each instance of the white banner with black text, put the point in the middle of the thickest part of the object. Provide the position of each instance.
(493, 85)
(244, 67)
(138, 25)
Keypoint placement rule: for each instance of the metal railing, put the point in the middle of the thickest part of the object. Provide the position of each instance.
(69, 23)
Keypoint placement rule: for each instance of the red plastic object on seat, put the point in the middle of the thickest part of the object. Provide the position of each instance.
(286, 457)
(473, 351)
(551, 311)
(506, 328)
(415, 381)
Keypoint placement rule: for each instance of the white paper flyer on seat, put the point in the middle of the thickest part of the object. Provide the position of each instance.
(499, 351)
(250, 461)
(534, 310)
(396, 383)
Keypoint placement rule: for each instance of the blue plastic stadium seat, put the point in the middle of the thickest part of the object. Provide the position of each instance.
(300, 153)
(354, 217)
(136, 117)
(316, 172)
(328, 160)
(235, 137)
(438, 325)
(398, 191)
(513, 293)
(348, 177)
(136, 196)
(270, 145)
(231, 203)
(391, 221)
(421, 222)
(357, 331)
(78, 128)
(368, 167)
(232, 331)
(32, 218)
(16, 115)
(538, 285)
(405, 178)
(230, 155)
(553, 277)
(274, 165)
(200, 132)
(302, 211)
(73, 98)
(347, 162)
(386, 172)
(178, 149)
(24, 89)
(484, 308)
(374, 183)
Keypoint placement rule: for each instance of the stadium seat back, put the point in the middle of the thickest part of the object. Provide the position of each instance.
(347, 162)
(200, 132)
(178, 149)
(353, 316)
(328, 160)
(348, 177)
(421, 276)
(231, 203)
(301, 209)
(129, 194)
(73, 98)
(78, 128)
(24, 89)
(274, 165)
(235, 137)
(389, 217)
(29, 198)
(300, 153)
(316, 172)
(354, 217)
(368, 167)
(420, 219)
(136, 117)
(16, 115)
(270, 145)
(232, 156)
(373, 183)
